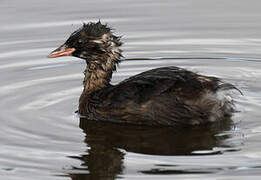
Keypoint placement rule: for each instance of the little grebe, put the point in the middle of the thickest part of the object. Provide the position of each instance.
(164, 96)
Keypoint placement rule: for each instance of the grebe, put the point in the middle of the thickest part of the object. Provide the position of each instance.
(168, 96)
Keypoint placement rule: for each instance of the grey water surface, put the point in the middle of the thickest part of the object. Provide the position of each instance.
(42, 138)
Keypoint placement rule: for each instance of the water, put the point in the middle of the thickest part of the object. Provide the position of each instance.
(42, 138)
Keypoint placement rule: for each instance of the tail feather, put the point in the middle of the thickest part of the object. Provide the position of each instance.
(219, 104)
(228, 86)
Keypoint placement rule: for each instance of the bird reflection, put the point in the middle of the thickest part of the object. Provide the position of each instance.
(104, 157)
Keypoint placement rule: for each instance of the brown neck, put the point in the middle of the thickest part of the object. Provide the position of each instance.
(96, 78)
(100, 68)
(99, 72)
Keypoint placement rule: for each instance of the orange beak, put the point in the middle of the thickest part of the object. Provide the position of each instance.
(61, 51)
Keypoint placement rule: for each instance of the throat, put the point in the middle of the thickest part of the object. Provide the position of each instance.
(97, 76)
(100, 68)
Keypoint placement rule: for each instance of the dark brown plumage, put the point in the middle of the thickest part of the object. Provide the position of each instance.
(164, 96)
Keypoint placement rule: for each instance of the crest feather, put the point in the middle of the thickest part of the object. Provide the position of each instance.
(95, 29)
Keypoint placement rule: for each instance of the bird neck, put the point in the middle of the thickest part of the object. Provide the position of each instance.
(99, 72)
(96, 78)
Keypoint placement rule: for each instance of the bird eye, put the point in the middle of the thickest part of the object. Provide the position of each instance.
(80, 41)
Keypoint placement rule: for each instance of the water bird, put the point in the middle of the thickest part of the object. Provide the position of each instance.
(165, 96)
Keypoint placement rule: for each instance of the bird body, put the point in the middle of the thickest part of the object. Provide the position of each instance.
(168, 96)
(162, 96)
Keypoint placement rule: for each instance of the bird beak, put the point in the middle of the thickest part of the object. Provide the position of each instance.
(61, 51)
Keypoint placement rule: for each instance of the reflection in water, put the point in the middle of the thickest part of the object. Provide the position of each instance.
(101, 162)
(104, 160)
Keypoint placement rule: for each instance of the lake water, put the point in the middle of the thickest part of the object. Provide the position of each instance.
(42, 138)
